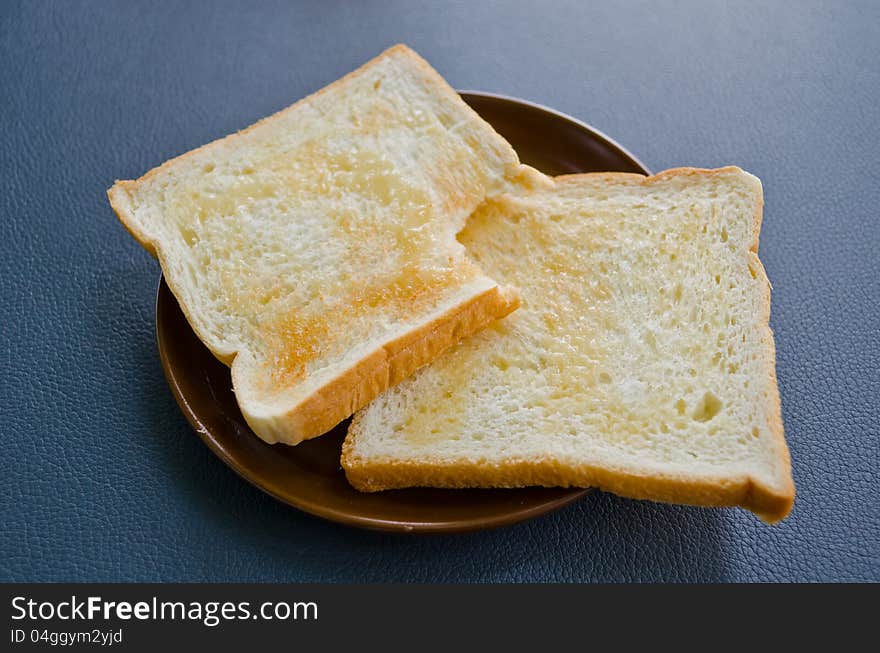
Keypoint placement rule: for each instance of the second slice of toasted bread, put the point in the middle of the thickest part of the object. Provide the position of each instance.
(641, 361)
(315, 251)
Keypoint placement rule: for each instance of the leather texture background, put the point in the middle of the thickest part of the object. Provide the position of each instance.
(102, 479)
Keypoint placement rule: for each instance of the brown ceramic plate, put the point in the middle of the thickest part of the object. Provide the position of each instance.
(308, 476)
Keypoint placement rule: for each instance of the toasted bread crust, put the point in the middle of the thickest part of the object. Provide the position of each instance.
(770, 503)
(372, 476)
(386, 366)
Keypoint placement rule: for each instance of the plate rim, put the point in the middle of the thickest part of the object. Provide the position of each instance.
(506, 518)
(560, 114)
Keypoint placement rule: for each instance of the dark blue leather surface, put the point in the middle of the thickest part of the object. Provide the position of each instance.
(101, 477)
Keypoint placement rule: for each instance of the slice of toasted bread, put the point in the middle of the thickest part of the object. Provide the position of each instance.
(315, 251)
(641, 361)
